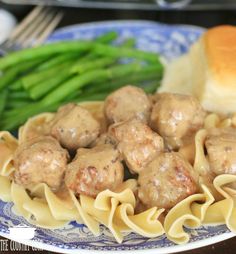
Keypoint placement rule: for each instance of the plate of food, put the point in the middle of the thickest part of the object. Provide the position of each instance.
(120, 136)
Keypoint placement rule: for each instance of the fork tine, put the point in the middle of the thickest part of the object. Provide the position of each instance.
(42, 26)
(32, 27)
(49, 29)
(25, 22)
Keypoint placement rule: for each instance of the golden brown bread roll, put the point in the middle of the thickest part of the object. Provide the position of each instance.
(208, 71)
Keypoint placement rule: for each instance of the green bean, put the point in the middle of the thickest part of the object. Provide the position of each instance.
(129, 43)
(147, 73)
(80, 81)
(16, 111)
(57, 60)
(91, 65)
(16, 86)
(85, 63)
(113, 51)
(107, 37)
(3, 100)
(72, 97)
(12, 121)
(71, 86)
(19, 95)
(42, 88)
(33, 79)
(73, 46)
(10, 74)
(17, 103)
(44, 51)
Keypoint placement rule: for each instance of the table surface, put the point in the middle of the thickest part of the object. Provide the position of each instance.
(74, 16)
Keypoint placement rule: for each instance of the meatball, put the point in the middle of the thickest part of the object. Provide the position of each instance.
(94, 170)
(105, 139)
(74, 127)
(126, 103)
(167, 180)
(176, 117)
(96, 108)
(137, 143)
(40, 160)
(221, 149)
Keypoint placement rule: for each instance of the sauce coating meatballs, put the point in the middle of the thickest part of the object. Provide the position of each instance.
(175, 117)
(105, 139)
(74, 127)
(167, 180)
(126, 103)
(94, 170)
(221, 150)
(40, 160)
(137, 143)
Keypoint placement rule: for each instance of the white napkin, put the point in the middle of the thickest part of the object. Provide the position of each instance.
(7, 24)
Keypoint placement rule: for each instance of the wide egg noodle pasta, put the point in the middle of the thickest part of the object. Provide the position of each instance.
(106, 204)
(189, 212)
(146, 223)
(88, 220)
(214, 121)
(35, 211)
(34, 127)
(5, 190)
(61, 209)
(8, 145)
(19, 196)
(116, 211)
(42, 215)
(104, 210)
(211, 121)
(201, 164)
(40, 211)
(131, 184)
(223, 211)
(108, 201)
(105, 216)
(102, 200)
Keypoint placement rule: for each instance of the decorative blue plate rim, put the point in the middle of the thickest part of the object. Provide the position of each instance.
(170, 41)
(194, 31)
(124, 22)
(164, 250)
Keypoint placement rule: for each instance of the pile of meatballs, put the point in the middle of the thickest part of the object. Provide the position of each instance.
(144, 135)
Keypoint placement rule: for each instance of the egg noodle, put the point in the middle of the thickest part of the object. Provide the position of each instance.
(215, 204)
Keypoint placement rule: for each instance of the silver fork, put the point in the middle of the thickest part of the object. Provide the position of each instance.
(33, 30)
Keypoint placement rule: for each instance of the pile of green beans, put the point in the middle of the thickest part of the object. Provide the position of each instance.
(41, 79)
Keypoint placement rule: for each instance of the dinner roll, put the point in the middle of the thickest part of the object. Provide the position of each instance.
(208, 71)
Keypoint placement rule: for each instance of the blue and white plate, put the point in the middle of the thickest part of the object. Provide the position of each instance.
(169, 42)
